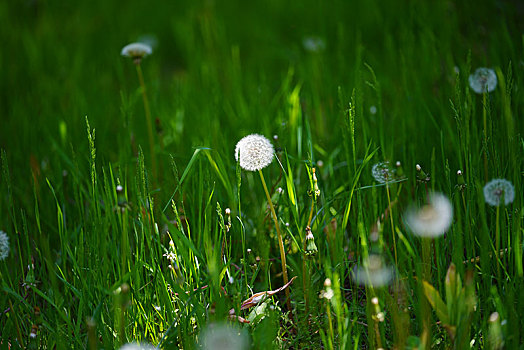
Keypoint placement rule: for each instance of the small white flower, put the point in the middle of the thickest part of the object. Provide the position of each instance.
(373, 110)
(136, 50)
(482, 79)
(373, 272)
(433, 219)
(497, 189)
(255, 152)
(4, 245)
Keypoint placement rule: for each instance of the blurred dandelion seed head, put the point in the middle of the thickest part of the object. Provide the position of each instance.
(483, 79)
(223, 337)
(136, 50)
(373, 272)
(433, 219)
(313, 44)
(4, 245)
(254, 152)
(496, 190)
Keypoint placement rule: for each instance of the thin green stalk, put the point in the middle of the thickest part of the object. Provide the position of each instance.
(147, 110)
(484, 118)
(497, 241)
(426, 275)
(330, 321)
(392, 225)
(20, 339)
(280, 241)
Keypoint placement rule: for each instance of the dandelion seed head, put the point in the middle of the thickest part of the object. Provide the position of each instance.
(497, 189)
(313, 44)
(136, 50)
(432, 219)
(383, 172)
(254, 152)
(373, 272)
(482, 79)
(4, 245)
(223, 337)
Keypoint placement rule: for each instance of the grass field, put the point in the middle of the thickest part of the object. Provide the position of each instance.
(126, 218)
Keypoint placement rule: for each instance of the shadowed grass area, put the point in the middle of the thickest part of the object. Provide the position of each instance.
(105, 250)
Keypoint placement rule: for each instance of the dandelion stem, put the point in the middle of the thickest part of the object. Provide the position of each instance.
(426, 275)
(280, 241)
(497, 241)
(147, 111)
(392, 225)
(484, 117)
(304, 260)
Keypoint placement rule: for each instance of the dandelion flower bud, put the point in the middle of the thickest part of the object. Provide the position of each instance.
(4, 245)
(421, 174)
(254, 152)
(311, 247)
(497, 190)
(484, 79)
(461, 184)
(433, 219)
(136, 51)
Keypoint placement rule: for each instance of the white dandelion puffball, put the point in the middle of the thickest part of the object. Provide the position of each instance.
(223, 337)
(4, 245)
(382, 172)
(136, 346)
(497, 189)
(433, 219)
(482, 79)
(254, 152)
(136, 50)
(373, 272)
(313, 44)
